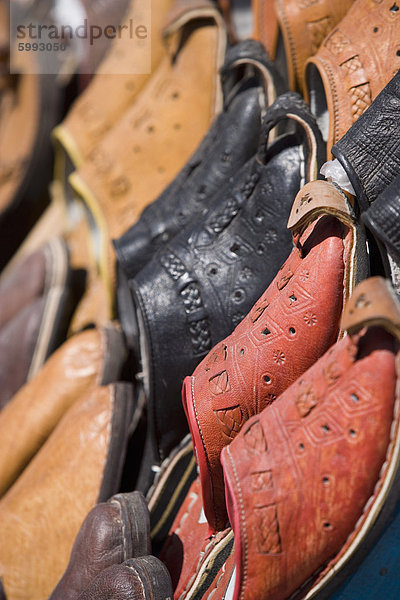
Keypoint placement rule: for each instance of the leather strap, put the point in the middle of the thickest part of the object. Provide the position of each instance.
(319, 198)
(184, 11)
(354, 63)
(291, 106)
(252, 53)
(370, 152)
(373, 303)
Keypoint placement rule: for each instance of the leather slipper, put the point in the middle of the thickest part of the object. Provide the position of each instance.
(165, 124)
(143, 578)
(89, 359)
(355, 62)
(108, 95)
(370, 152)
(40, 326)
(293, 323)
(112, 533)
(307, 478)
(383, 220)
(231, 141)
(201, 285)
(79, 465)
(30, 107)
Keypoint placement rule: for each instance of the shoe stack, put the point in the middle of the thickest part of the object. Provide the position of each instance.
(199, 308)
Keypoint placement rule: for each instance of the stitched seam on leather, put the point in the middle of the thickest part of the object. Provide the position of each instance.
(197, 568)
(242, 518)
(203, 442)
(334, 95)
(291, 41)
(116, 502)
(223, 569)
(123, 530)
(138, 578)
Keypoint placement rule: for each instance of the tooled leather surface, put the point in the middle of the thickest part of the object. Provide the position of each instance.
(293, 323)
(119, 181)
(231, 141)
(383, 218)
(201, 285)
(41, 514)
(370, 151)
(25, 282)
(163, 133)
(302, 472)
(108, 96)
(357, 60)
(33, 413)
(304, 25)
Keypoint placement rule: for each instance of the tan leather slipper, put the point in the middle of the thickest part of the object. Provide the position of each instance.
(79, 466)
(161, 129)
(355, 62)
(90, 359)
(109, 94)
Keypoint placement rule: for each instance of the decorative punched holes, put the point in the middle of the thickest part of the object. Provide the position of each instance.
(259, 218)
(261, 249)
(354, 398)
(235, 248)
(292, 331)
(175, 96)
(353, 433)
(326, 428)
(394, 8)
(212, 270)
(242, 351)
(150, 129)
(301, 447)
(327, 525)
(375, 29)
(292, 298)
(266, 331)
(326, 481)
(238, 295)
(267, 379)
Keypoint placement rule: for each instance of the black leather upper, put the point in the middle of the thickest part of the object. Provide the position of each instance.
(231, 141)
(199, 286)
(370, 150)
(383, 218)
